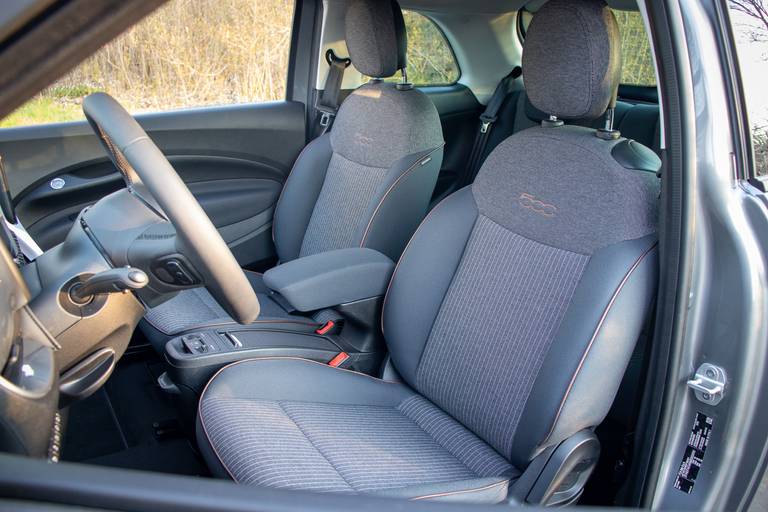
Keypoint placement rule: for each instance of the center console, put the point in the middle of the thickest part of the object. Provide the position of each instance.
(339, 292)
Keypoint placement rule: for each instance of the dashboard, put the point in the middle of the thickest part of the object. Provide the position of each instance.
(29, 379)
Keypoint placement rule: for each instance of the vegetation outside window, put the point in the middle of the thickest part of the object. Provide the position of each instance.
(430, 58)
(188, 53)
(749, 19)
(636, 57)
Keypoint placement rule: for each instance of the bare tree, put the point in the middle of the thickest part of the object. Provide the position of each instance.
(757, 10)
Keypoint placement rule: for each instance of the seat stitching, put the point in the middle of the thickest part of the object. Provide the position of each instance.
(208, 437)
(291, 358)
(600, 324)
(450, 285)
(285, 184)
(439, 205)
(318, 450)
(390, 189)
(464, 491)
(434, 439)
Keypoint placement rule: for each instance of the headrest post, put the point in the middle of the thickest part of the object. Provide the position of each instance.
(552, 122)
(404, 84)
(607, 132)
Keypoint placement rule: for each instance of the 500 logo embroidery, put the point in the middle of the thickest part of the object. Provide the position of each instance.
(540, 207)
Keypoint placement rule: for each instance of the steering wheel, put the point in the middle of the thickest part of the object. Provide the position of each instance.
(152, 179)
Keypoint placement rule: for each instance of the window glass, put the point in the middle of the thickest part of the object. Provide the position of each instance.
(188, 53)
(636, 57)
(750, 30)
(430, 58)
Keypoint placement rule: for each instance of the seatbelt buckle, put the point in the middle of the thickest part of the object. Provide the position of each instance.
(325, 119)
(326, 114)
(486, 122)
(338, 360)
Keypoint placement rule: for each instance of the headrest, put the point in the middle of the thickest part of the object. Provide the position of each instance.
(572, 59)
(376, 38)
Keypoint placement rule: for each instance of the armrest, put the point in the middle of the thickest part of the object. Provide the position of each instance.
(331, 278)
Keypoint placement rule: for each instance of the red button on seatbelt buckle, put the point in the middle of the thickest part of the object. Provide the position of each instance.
(338, 359)
(326, 327)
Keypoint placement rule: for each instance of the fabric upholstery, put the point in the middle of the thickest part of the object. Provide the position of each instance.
(348, 189)
(299, 196)
(579, 79)
(567, 191)
(376, 37)
(368, 161)
(416, 291)
(378, 124)
(500, 314)
(354, 434)
(591, 346)
(510, 317)
(198, 307)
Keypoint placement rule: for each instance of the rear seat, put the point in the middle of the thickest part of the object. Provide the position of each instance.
(637, 121)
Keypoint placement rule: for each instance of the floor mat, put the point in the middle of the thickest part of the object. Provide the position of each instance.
(117, 425)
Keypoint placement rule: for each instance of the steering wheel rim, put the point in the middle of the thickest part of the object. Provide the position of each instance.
(151, 177)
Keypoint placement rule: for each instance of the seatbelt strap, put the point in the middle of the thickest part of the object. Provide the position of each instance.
(487, 118)
(328, 102)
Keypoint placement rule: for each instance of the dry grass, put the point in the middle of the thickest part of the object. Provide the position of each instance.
(191, 53)
(207, 52)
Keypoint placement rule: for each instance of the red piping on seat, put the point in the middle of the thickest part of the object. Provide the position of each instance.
(205, 389)
(594, 335)
(392, 187)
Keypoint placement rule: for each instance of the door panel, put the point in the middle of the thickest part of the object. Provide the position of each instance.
(233, 158)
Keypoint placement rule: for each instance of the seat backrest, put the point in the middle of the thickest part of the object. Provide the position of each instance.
(368, 182)
(517, 303)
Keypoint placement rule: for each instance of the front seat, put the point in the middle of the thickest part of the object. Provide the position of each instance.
(510, 318)
(365, 184)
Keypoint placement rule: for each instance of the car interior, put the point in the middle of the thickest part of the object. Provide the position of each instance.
(441, 293)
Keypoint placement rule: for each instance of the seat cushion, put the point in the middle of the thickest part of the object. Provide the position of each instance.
(297, 424)
(197, 309)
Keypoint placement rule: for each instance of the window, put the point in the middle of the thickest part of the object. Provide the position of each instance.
(188, 53)
(750, 29)
(430, 58)
(636, 57)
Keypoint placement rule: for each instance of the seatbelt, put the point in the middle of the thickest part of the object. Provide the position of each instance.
(487, 118)
(328, 103)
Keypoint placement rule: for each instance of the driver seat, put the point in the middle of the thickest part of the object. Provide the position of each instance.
(510, 318)
(367, 183)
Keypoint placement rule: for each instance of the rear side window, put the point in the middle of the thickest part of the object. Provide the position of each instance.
(430, 57)
(636, 57)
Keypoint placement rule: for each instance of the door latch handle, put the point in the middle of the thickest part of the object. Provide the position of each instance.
(708, 384)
